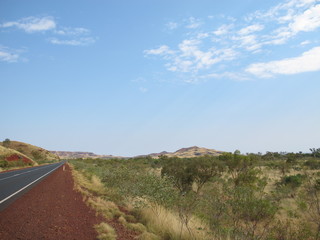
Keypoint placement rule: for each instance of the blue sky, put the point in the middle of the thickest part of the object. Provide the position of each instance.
(135, 77)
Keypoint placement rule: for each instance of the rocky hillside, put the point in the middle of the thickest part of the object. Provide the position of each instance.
(12, 158)
(75, 155)
(32, 152)
(188, 152)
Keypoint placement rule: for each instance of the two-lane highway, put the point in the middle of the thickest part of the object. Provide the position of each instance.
(13, 184)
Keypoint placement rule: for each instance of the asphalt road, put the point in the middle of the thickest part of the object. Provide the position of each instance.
(15, 183)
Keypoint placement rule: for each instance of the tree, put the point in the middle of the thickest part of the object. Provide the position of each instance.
(315, 152)
(185, 174)
(6, 142)
(240, 167)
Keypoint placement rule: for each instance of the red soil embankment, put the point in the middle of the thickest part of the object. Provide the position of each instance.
(51, 210)
(16, 157)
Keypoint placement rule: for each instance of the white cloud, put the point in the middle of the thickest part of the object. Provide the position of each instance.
(279, 36)
(307, 62)
(283, 11)
(207, 48)
(162, 50)
(77, 36)
(202, 35)
(172, 25)
(73, 42)
(32, 24)
(249, 42)
(191, 59)
(8, 56)
(308, 21)
(222, 30)
(193, 23)
(72, 31)
(251, 29)
(306, 42)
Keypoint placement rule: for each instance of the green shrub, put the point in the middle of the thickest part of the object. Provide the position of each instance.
(4, 163)
(293, 181)
(313, 164)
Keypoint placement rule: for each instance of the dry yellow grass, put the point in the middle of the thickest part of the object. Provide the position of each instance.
(148, 236)
(92, 189)
(167, 224)
(105, 231)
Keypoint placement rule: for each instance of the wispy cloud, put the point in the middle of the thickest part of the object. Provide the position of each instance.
(190, 58)
(32, 24)
(194, 23)
(162, 50)
(72, 31)
(250, 29)
(7, 55)
(306, 42)
(60, 35)
(73, 42)
(309, 61)
(206, 49)
(172, 25)
(222, 30)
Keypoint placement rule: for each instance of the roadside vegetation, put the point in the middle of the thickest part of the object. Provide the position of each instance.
(272, 196)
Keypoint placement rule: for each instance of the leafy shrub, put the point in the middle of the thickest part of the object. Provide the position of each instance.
(4, 163)
(293, 181)
(313, 164)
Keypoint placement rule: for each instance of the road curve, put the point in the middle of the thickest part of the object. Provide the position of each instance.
(15, 183)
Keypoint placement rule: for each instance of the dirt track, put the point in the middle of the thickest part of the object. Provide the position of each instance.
(51, 210)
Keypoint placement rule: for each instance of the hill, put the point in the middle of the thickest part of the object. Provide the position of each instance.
(188, 152)
(13, 158)
(75, 155)
(33, 152)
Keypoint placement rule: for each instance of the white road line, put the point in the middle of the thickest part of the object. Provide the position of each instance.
(18, 174)
(3, 200)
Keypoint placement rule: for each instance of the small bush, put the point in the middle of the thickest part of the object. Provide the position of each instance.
(105, 231)
(293, 181)
(313, 164)
(4, 163)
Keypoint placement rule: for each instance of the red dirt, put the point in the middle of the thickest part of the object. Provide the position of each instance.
(16, 157)
(53, 210)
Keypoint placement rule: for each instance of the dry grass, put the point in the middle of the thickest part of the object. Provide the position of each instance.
(105, 231)
(167, 224)
(92, 189)
(7, 152)
(148, 236)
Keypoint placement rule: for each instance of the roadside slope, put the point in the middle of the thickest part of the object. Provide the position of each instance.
(38, 154)
(11, 158)
(51, 210)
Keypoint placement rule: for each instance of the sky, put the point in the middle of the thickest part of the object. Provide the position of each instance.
(126, 77)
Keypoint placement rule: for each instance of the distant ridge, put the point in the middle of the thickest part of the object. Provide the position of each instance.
(74, 155)
(187, 153)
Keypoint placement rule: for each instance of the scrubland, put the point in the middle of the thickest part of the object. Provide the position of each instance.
(274, 196)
